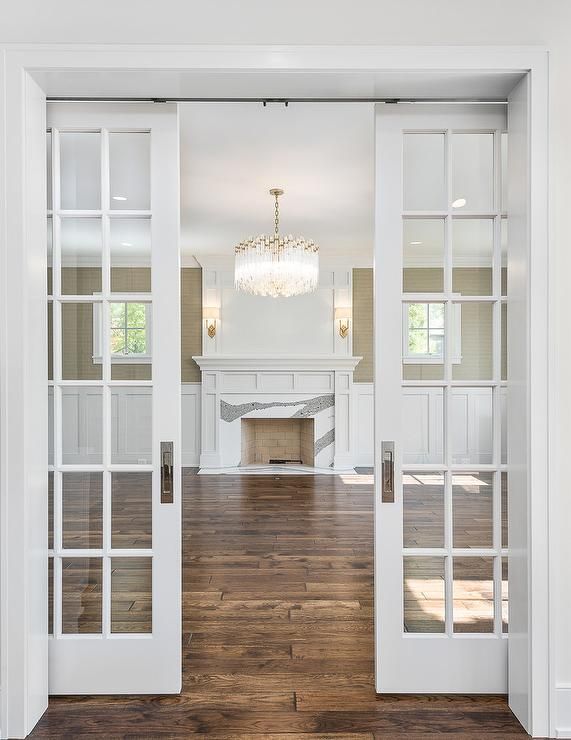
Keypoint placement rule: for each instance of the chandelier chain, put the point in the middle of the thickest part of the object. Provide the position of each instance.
(277, 216)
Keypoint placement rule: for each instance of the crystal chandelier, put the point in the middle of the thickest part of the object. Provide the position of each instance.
(276, 266)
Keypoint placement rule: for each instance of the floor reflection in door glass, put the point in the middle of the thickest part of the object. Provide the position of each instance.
(473, 594)
(424, 594)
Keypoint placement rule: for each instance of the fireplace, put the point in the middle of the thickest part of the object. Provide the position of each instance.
(307, 399)
(277, 441)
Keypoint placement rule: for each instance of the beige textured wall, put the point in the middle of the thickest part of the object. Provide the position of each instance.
(363, 324)
(190, 322)
(77, 323)
(476, 323)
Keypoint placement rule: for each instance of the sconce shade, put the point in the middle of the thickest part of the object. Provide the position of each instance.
(210, 312)
(343, 313)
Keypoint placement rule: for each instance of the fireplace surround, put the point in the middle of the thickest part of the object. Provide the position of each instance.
(239, 388)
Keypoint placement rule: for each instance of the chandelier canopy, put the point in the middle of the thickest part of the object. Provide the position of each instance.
(276, 265)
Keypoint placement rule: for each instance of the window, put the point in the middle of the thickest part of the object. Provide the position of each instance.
(130, 332)
(424, 333)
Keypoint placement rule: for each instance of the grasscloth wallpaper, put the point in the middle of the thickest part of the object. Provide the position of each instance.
(77, 323)
(363, 324)
(191, 322)
(476, 323)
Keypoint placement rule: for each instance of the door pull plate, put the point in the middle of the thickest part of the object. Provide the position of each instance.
(167, 483)
(388, 472)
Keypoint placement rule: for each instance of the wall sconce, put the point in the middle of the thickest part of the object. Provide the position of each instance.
(211, 315)
(343, 316)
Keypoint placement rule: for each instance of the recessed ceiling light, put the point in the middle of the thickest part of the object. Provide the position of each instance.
(415, 244)
(119, 197)
(126, 244)
(459, 203)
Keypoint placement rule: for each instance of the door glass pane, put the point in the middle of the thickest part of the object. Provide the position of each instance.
(50, 254)
(505, 609)
(473, 171)
(472, 256)
(81, 341)
(472, 509)
(50, 596)
(50, 425)
(131, 595)
(131, 425)
(504, 340)
(49, 205)
(50, 510)
(130, 255)
(50, 341)
(130, 340)
(129, 166)
(504, 159)
(424, 172)
(473, 590)
(82, 580)
(131, 510)
(504, 253)
(474, 360)
(423, 429)
(80, 170)
(471, 433)
(424, 609)
(423, 509)
(423, 341)
(82, 426)
(82, 510)
(423, 255)
(504, 425)
(80, 256)
(504, 486)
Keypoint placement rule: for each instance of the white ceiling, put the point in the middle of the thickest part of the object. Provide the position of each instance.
(320, 154)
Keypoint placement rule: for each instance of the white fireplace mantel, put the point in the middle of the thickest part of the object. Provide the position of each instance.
(240, 386)
(277, 363)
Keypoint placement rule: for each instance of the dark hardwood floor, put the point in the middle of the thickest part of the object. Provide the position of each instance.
(278, 630)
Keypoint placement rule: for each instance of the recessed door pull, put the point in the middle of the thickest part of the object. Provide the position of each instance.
(388, 472)
(167, 487)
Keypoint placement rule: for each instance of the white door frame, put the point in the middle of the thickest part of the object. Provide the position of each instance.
(23, 344)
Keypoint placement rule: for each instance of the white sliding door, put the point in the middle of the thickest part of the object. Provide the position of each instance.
(441, 377)
(114, 398)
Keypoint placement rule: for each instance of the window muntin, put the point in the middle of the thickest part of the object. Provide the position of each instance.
(424, 333)
(130, 334)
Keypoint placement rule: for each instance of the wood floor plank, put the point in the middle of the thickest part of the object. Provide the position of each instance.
(277, 626)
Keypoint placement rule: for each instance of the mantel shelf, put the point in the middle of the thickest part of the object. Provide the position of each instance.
(278, 363)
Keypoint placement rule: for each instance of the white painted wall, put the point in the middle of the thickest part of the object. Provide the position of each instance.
(255, 325)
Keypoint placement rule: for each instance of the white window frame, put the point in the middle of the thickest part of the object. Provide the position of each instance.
(117, 358)
(428, 359)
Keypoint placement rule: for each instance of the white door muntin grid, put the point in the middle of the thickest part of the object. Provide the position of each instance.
(104, 660)
(446, 661)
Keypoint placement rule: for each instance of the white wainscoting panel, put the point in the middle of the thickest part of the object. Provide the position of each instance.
(422, 409)
(82, 439)
(423, 425)
(190, 424)
(363, 394)
(131, 425)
